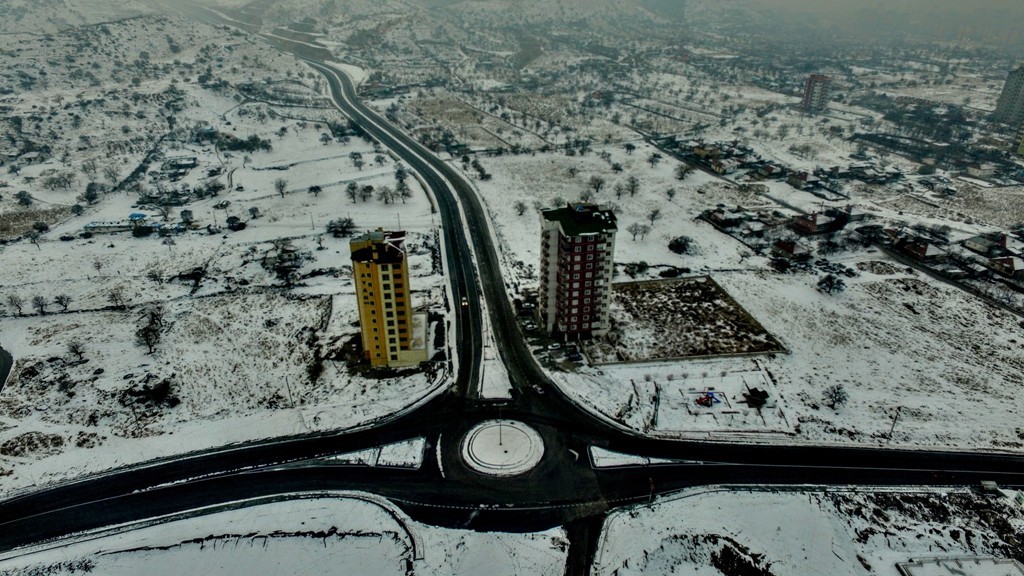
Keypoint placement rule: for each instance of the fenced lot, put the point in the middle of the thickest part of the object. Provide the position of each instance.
(692, 317)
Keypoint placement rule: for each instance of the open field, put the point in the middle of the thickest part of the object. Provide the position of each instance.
(657, 320)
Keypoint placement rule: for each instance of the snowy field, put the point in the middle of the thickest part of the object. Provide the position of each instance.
(838, 533)
(892, 340)
(242, 353)
(359, 534)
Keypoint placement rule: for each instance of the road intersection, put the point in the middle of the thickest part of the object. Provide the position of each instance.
(561, 488)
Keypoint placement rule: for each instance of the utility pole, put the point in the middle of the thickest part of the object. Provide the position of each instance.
(289, 388)
(895, 419)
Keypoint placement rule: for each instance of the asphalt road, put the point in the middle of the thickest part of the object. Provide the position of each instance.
(562, 490)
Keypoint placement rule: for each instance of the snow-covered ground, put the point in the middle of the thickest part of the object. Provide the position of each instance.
(837, 532)
(893, 340)
(358, 534)
(242, 354)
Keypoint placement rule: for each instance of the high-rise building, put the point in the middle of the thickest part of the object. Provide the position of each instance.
(391, 335)
(1010, 107)
(817, 93)
(577, 261)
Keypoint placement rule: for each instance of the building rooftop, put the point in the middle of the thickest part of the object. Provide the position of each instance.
(379, 247)
(578, 219)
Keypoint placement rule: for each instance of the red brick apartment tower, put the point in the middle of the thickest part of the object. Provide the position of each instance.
(576, 265)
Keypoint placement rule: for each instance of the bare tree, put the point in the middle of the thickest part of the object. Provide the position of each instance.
(34, 236)
(16, 302)
(62, 300)
(632, 186)
(520, 207)
(315, 190)
(148, 336)
(386, 194)
(341, 227)
(654, 215)
(39, 303)
(97, 265)
(352, 191)
(682, 170)
(644, 231)
(573, 171)
(835, 396)
(366, 192)
(379, 159)
(653, 159)
(111, 173)
(403, 190)
(671, 193)
(619, 190)
(116, 298)
(254, 212)
(630, 147)
(89, 167)
(635, 229)
(280, 184)
(596, 183)
(77, 349)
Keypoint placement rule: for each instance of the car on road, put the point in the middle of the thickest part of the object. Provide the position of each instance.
(554, 346)
(465, 302)
(538, 389)
(529, 326)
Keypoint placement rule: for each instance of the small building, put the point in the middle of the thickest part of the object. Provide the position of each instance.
(816, 223)
(790, 250)
(990, 245)
(725, 218)
(771, 171)
(1012, 266)
(920, 249)
(802, 180)
(986, 170)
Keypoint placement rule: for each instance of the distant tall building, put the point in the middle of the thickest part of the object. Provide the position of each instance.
(577, 261)
(817, 93)
(1020, 140)
(1010, 107)
(391, 336)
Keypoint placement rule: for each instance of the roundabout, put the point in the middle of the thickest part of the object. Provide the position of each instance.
(502, 448)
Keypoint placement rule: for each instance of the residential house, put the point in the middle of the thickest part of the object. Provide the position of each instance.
(990, 245)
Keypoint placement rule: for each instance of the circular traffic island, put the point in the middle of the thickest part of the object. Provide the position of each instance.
(502, 448)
